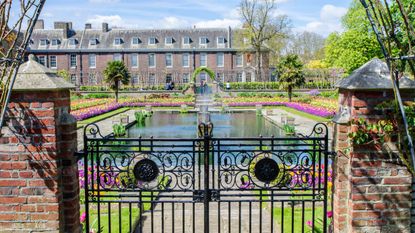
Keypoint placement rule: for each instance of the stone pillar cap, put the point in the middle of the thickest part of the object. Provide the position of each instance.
(374, 75)
(34, 76)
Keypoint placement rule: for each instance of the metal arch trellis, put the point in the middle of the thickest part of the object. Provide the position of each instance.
(15, 33)
(384, 31)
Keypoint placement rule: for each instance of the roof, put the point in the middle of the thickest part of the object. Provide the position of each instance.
(34, 76)
(106, 39)
(374, 75)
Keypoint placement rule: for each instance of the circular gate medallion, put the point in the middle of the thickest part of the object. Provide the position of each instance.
(146, 170)
(266, 170)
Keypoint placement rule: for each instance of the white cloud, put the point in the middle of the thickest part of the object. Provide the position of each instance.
(328, 22)
(112, 20)
(172, 22)
(218, 23)
(103, 1)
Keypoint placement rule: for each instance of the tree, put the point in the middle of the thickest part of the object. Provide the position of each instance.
(307, 45)
(261, 27)
(64, 74)
(115, 73)
(356, 45)
(290, 73)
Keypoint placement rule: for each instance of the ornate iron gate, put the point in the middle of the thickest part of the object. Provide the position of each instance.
(206, 184)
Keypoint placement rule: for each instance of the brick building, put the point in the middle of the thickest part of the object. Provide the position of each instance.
(153, 57)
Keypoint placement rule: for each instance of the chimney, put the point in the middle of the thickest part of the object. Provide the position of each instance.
(40, 24)
(105, 27)
(66, 26)
(88, 26)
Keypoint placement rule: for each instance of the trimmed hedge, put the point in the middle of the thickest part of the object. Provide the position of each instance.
(276, 85)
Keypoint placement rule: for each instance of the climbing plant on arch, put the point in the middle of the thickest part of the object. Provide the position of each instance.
(200, 70)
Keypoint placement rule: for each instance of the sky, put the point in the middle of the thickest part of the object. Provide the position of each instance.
(319, 16)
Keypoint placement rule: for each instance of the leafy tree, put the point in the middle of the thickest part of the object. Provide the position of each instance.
(261, 28)
(64, 74)
(290, 73)
(307, 45)
(115, 73)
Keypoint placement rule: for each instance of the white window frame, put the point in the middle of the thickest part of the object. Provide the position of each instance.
(239, 75)
(203, 38)
(137, 40)
(92, 79)
(55, 42)
(44, 58)
(93, 41)
(221, 37)
(188, 59)
(118, 41)
(94, 65)
(43, 42)
(134, 55)
(117, 57)
(189, 40)
(53, 59)
(70, 61)
(135, 79)
(166, 42)
(186, 78)
(72, 42)
(206, 58)
(223, 59)
(171, 59)
(72, 76)
(149, 40)
(242, 60)
(150, 81)
(153, 55)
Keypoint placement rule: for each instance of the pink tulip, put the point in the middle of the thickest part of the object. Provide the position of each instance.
(83, 217)
(329, 214)
(309, 223)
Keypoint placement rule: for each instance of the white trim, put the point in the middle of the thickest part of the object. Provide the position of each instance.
(171, 60)
(200, 59)
(188, 59)
(155, 62)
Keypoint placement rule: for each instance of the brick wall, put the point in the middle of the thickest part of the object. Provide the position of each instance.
(39, 189)
(372, 186)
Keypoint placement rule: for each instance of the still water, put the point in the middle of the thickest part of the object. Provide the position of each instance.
(176, 125)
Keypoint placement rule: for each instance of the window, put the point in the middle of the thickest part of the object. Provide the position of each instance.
(72, 42)
(117, 57)
(168, 78)
(220, 77)
(239, 77)
(185, 60)
(43, 42)
(169, 40)
(221, 40)
(152, 40)
(169, 60)
(55, 42)
(52, 60)
(118, 41)
(187, 40)
(152, 79)
(185, 78)
(203, 59)
(239, 60)
(92, 79)
(93, 41)
(136, 41)
(220, 59)
(203, 76)
(203, 40)
(42, 60)
(92, 60)
(135, 79)
(134, 60)
(73, 60)
(151, 60)
(73, 78)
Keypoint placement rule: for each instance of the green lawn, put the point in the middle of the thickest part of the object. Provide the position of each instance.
(303, 114)
(298, 218)
(101, 117)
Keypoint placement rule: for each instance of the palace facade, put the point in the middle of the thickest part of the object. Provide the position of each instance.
(153, 57)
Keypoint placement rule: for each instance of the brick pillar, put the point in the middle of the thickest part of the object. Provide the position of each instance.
(372, 185)
(39, 189)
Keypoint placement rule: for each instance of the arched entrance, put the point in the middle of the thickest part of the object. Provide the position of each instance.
(201, 85)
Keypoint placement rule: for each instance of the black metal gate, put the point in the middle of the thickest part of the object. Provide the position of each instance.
(206, 184)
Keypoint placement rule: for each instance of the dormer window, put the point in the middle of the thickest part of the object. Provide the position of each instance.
(152, 40)
(118, 41)
(221, 40)
(135, 41)
(55, 42)
(187, 40)
(203, 40)
(43, 42)
(169, 41)
(93, 41)
(72, 41)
